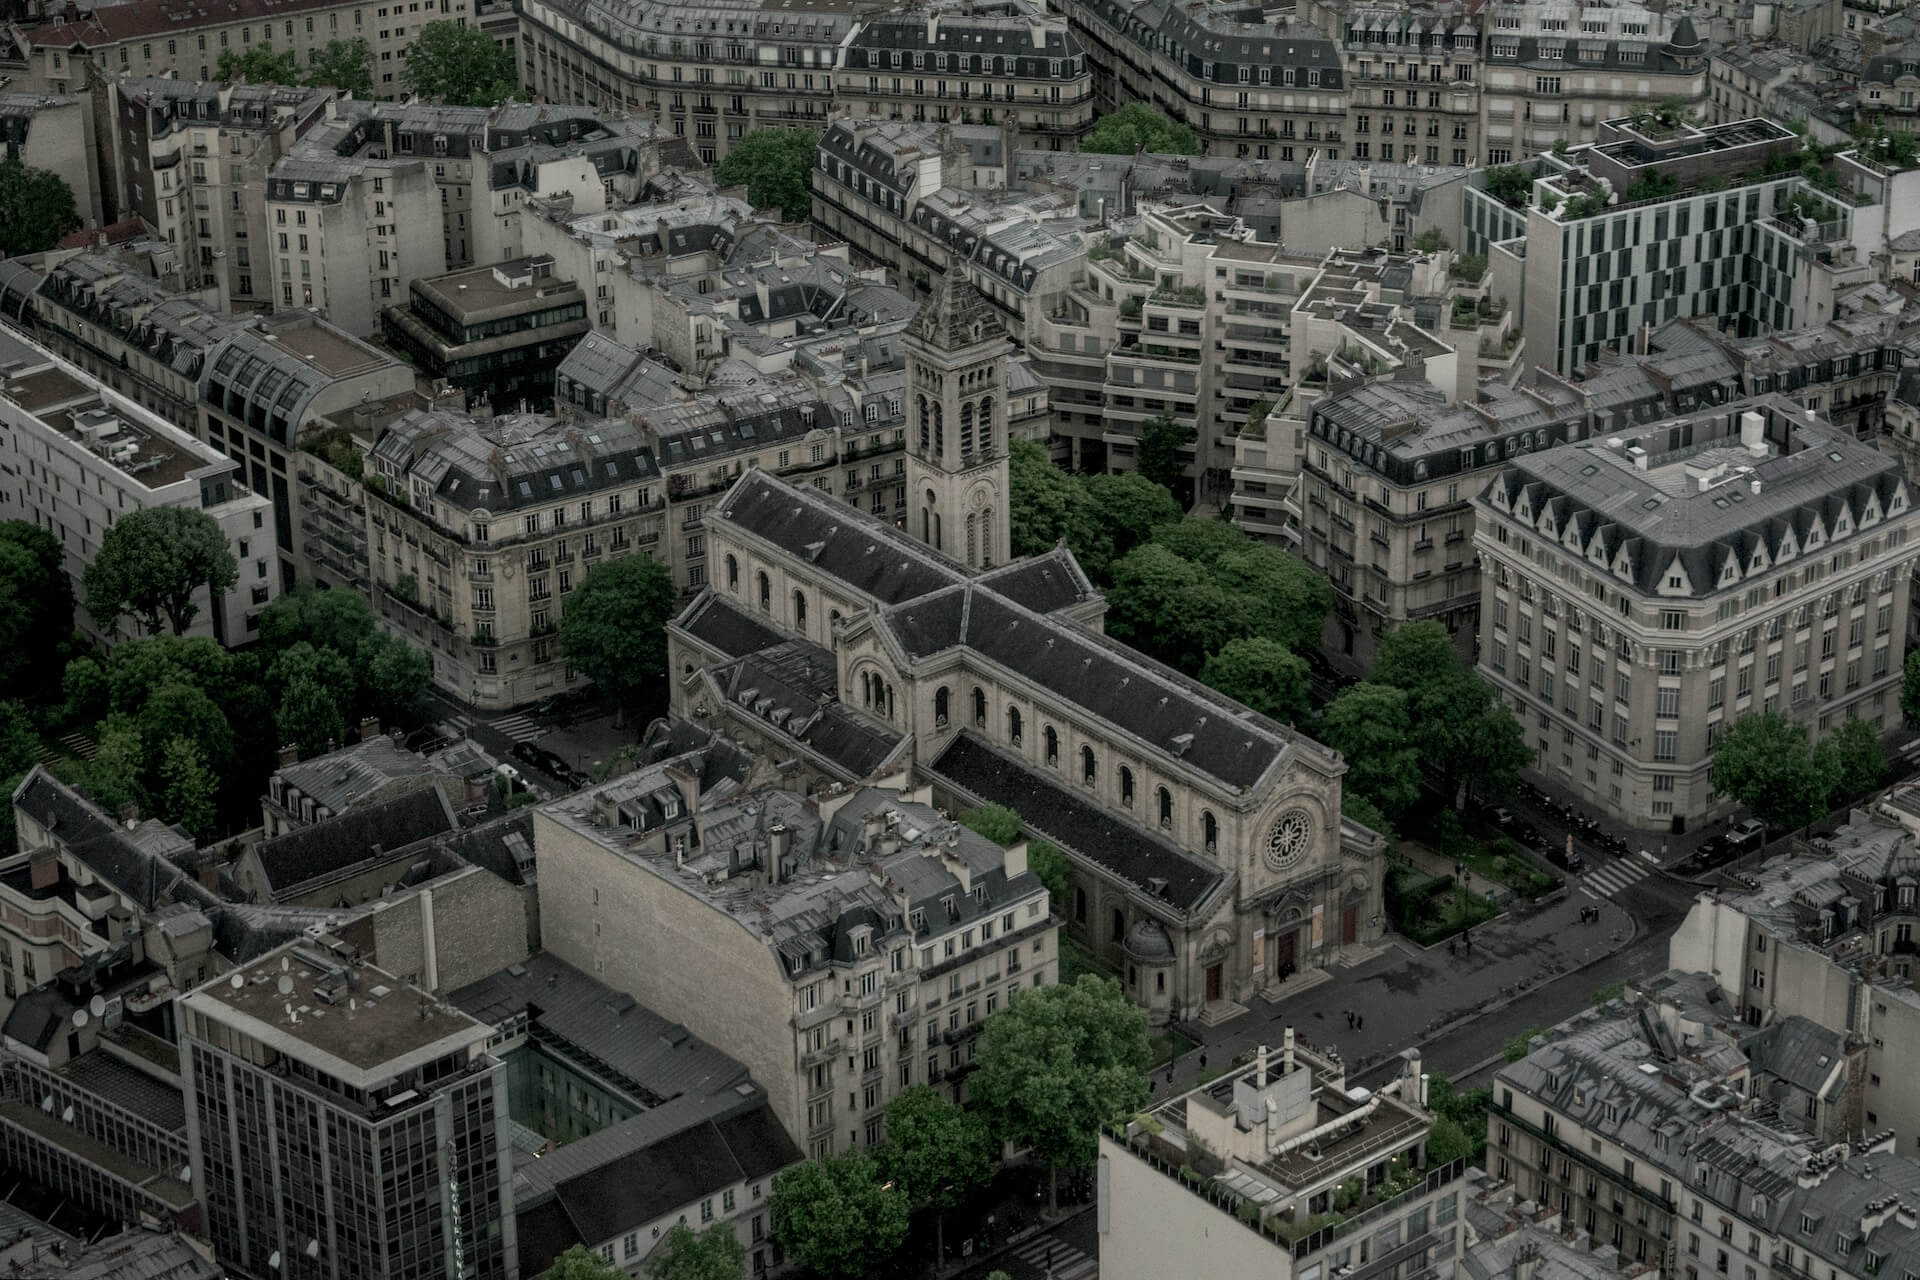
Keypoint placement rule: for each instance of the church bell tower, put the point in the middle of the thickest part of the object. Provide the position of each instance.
(956, 352)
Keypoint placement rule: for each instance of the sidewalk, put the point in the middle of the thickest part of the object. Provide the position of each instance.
(1409, 995)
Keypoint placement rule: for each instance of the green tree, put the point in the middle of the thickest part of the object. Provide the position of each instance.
(1044, 503)
(1056, 1064)
(1368, 723)
(152, 562)
(994, 821)
(393, 675)
(1910, 688)
(181, 711)
(1461, 729)
(1275, 595)
(776, 168)
(615, 625)
(582, 1263)
(83, 686)
(1767, 762)
(835, 1217)
(258, 64)
(36, 609)
(936, 1154)
(684, 1254)
(112, 777)
(19, 742)
(140, 668)
(1511, 184)
(1138, 127)
(1447, 1142)
(187, 788)
(1414, 656)
(1365, 812)
(338, 620)
(1262, 673)
(459, 65)
(1161, 439)
(1046, 861)
(346, 65)
(36, 209)
(315, 686)
(1168, 608)
(1853, 758)
(1124, 511)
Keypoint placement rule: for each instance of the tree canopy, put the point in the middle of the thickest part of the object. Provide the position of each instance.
(1262, 673)
(685, 1254)
(615, 625)
(1910, 687)
(36, 208)
(152, 562)
(1459, 727)
(1369, 724)
(1138, 127)
(346, 65)
(1058, 1063)
(936, 1154)
(36, 609)
(776, 167)
(582, 1263)
(258, 64)
(1853, 759)
(1101, 518)
(1161, 439)
(1002, 826)
(835, 1217)
(451, 62)
(1767, 762)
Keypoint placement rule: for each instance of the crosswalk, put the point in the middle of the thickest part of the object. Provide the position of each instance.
(1615, 875)
(517, 728)
(1068, 1262)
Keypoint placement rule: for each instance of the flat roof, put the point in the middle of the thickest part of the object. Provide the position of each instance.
(380, 1024)
(327, 349)
(476, 289)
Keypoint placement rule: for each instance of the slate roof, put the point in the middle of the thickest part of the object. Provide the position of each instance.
(791, 686)
(1126, 851)
(38, 1016)
(715, 621)
(1799, 1051)
(324, 848)
(1042, 583)
(503, 846)
(645, 1055)
(102, 845)
(1170, 713)
(339, 778)
(676, 1172)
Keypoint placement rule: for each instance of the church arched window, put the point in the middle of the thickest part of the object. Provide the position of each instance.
(733, 574)
(966, 429)
(941, 698)
(986, 424)
(979, 707)
(925, 424)
(1166, 807)
(1209, 831)
(866, 689)
(1013, 725)
(1089, 767)
(766, 593)
(1126, 786)
(1053, 746)
(973, 534)
(799, 611)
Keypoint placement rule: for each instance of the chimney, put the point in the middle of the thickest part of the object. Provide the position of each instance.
(1286, 1052)
(289, 754)
(1526, 1262)
(43, 869)
(1753, 433)
(369, 728)
(1260, 1068)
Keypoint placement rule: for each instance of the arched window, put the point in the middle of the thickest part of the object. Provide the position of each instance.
(733, 574)
(1126, 786)
(766, 594)
(1166, 807)
(1053, 745)
(889, 688)
(986, 424)
(979, 707)
(973, 535)
(940, 430)
(940, 700)
(833, 619)
(926, 425)
(1209, 831)
(866, 689)
(799, 611)
(1013, 725)
(986, 539)
(1089, 770)
(1119, 929)
(1079, 905)
(966, 429)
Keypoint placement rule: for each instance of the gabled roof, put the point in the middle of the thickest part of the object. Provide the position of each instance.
(102, 845)
(326, 847)
(1128, 852)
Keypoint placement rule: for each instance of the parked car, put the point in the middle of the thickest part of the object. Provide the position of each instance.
(1748, 834)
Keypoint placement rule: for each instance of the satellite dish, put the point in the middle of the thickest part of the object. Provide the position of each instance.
(274, 1261)
(79, 1017)
(98, 1006)
(237, 981)
(313, 1247)
(186, 1173)
(285, 984)
(67, 1115)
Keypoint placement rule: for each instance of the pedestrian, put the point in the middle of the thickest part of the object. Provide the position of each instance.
(1453, 947)
(1359, 1022)
(1203, 1059)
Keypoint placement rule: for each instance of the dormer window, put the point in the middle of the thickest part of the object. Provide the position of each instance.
(918, 919)
(952, 905)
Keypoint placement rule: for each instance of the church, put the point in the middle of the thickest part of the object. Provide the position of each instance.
(1210, 861)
